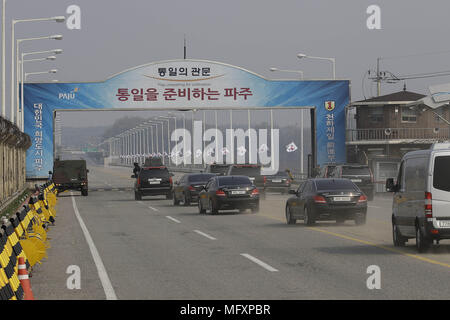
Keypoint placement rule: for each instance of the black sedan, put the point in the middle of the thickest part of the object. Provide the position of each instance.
(327, 199)
(228, 193)
(186, 190)
(279, 182)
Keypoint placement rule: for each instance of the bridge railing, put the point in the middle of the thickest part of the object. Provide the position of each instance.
(13, 147)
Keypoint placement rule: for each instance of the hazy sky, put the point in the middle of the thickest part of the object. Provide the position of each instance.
(253, 34)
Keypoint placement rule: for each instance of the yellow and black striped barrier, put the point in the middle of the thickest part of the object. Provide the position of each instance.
(25, 236)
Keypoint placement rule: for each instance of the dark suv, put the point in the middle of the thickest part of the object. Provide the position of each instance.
(253, 171)
(359, 174)
(153, 181)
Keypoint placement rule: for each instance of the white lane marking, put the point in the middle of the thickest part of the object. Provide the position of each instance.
(103, 275)
(173, 219)
(154, 209)
(205, 235)
(259, 262)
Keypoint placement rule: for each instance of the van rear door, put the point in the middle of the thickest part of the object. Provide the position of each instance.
(440, 186)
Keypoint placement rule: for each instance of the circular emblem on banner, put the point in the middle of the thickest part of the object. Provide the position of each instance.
(329, 105)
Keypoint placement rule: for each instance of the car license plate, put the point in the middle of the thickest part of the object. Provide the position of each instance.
(154, 181)
(238, 192)
(444, 224)
(341, 198)
(355, 180)
(276, 180)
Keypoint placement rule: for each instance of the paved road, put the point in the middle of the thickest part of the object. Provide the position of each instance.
(150, 249)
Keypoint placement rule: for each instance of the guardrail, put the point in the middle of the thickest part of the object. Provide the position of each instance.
(398, 133)
(13, 147)
(24, 237)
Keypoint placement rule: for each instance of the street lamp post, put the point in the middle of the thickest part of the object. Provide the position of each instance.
(22, 62)
(13, 24)
(15, 100)
(333, 61)
(293, 71)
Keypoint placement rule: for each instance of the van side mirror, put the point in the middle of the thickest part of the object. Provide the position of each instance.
(390, 186)
(50, 172)
(292, 191)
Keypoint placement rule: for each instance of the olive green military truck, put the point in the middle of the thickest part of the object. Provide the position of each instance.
(70, 175)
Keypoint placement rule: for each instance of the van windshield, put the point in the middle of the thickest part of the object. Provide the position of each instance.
(441, 174)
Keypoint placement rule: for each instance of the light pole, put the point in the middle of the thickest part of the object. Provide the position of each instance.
(333, 61)
(13, 24)
(282, 70)
(22, 61)
(24, 54)
(16, 82)
(40, 72)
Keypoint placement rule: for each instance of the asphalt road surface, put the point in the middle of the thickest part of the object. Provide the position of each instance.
(149, 249)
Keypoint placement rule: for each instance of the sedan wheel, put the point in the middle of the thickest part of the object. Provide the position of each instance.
(307, 218)
(289, 219)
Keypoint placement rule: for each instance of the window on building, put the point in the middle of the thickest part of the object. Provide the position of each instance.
(376, 115)
(409, 115)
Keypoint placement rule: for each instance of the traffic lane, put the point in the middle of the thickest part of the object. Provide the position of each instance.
(312, 265)
(149, 256)
(110, 177)
(68, 248)
(376, 232)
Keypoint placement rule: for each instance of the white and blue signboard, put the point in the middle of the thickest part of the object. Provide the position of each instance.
(185, 84)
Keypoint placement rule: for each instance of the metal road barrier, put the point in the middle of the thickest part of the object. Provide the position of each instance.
(24, 237)
(13, 147)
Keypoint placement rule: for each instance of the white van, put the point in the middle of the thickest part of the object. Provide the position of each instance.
(421, 202)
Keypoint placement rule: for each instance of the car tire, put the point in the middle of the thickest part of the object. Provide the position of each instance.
(397, 238)
(308, 217)
(200, 208)
(422, 243)
(137, 195)
(289, 218)
(175, 201)
(360, 219)
(212, 207)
